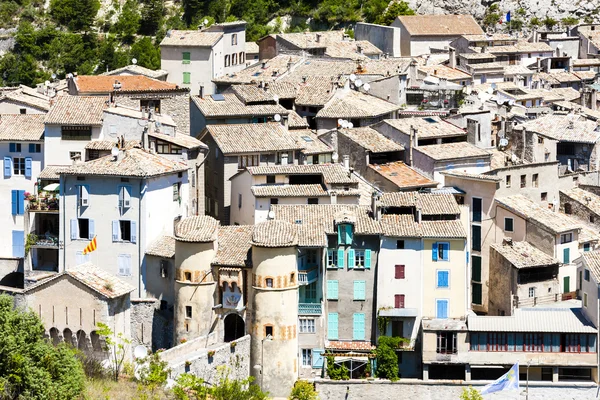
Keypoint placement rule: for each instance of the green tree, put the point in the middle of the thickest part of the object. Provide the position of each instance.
(303, 390)
(549, 22)
(117, 346)
(110, 56)
(535, 22)
(336, 12)
(153, 12)
(77, 15)
(128, 23)
(570, 21)
(31, 367)
(336, 372)
(153, 373)
(393, 11)
(470, 393)
(387, 359)
(146, 53)
(72, 52)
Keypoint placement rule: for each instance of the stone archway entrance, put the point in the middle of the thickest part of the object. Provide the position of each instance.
(235, 327)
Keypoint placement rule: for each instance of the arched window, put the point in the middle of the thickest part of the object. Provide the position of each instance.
(568, 208)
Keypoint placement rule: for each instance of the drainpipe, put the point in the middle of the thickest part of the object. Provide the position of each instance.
(62, 211)
(140, 239)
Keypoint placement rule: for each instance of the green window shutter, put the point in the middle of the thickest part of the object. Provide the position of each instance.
(351, 259)
(566, 256)
(332, 326)
(340, 229)
(340, 259)
(332, 290)
(348, 233)
(185, 56)
(359, 290)
(367, 259)
(187, 77)
(477, 293)
(358, 326)
(476, 268)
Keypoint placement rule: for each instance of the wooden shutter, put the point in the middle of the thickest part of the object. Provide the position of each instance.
(399, 301)
(14, 202)
(399, 271)
(368, 259)
(332, 326)
(359, 290)
(91, 229)
(317, 358)
(7, 167)
(434, 252)
(332, 289)
(340, 259)
(27, 167)
(358, 326)
(115, 231)
(74, 229)
(351, 259)
(133, 230)
(18, 243)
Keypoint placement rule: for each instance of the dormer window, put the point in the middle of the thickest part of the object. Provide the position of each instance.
(345, 233)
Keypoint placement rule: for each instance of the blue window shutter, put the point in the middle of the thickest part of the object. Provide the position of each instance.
(32, 147)
(351, 259)
(18, 243)
(358, 326)
(332, 326)
(133, 232)
(7, 167)
(566, 255)
(332, 290)
(434, 255)
(12, 147)
(339, 230)
(91, 229)
(74, 229)
(442, 309)
(318, 358)
(340, 259)
(27, 167)
(20, 202)
(14, 202)
(348, 233)
(367, 258)
(442, 279)
(446, 255)
(359, 290)
(115, 231)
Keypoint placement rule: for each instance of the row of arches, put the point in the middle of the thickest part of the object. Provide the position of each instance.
(80, 339)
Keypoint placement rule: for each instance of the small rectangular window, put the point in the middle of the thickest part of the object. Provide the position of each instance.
(185, 57)
(84, 228)
(523, 181)
(508, 225)
(400, 244)
(270, 179)
(585, 300)
(544, 196)
(269, 282)
(125, 227)
(234, 39)
(566, 238)
(19, 165)
(307, 357)
(14, 147)
(176, 191)
(22, 111)
(532, 292)
(268, 330)
(274, 201)
(239, 200)
(443, 278)
(307, 325)
(398, 301)
(187, 276)
(587, 275)
(188, 312)
(313, 200)
(534, 180)
(507, 180)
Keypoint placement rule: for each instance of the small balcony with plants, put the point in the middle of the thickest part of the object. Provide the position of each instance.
(42, 202)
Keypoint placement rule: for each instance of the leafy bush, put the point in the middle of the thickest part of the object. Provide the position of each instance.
(303, 390)
(549, 22)
(470, 393)
(387, 359)
(77, 15)
(190, 387)
(396, 9)
(570, 21)
(336, 372)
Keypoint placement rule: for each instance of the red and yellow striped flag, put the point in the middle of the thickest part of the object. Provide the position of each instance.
(90, 247)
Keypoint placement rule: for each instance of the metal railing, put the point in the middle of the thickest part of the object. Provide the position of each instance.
(309, 308)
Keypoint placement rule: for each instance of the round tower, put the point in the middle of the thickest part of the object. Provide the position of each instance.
(274, 307)
(195, 249)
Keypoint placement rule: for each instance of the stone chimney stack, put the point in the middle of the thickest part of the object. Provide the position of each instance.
(452, 57)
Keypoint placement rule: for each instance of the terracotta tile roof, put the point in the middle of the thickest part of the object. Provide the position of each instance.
(556, 77)
(587, 199)
(232, 106)
(403, 176)
(195, 38)
(133, 163)
(53, 171)
(314, 91)
(525, 208)
(400, 225)
(428, 203)
(273, 69)
(594, 115)
(443, 229)
(556, 94)
(478, 177)
(185, 141)
(199, 228)
(352, 49)
(129, 83)
(521, 46)
(252, 138)
(311, 190)
(274, 234)
(452, 151)
(440, 25)
(130, 112)
(523, 254)
(108, 145)
(251, 94)
(310, 142)
(312, 40)
(22, 127)
(563, 128)
(163, 247)
(427, 128)
(588, 233)
(296, 122)
(332, 173)
(234, 246)
(251, 48)
(592, 261)
(355, 104)
(284, 89)
(135, 69)
(100, 281)
(358, 346)
(77, 110)
(371, 140)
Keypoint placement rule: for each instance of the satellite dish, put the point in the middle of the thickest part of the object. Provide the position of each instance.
(47, 83)
(114, 152)
(350, 125)
(344, 124)
(559, 46)
(276, 98)
(271, 214)
(494, 86)
(503, 142)
(205, 21)
(140, 351)
(352, 77)
(358, 83)
(53, 76)
(334, 157)
(340, 122)
(134, 61)
(490, 90)
(366, 87)
(277, 117)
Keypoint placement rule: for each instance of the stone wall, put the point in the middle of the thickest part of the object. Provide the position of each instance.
(443, 390)
(150, 326)
(192, 357)
(579, 210)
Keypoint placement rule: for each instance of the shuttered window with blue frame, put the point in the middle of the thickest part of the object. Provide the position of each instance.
(359, 290)
(358, 326)
(28, 166)
(351, 258)
(443, 279)
(340, 258)
(332, 326)
(344, 234)
(440, 251)
(441, 308)
(7, 167)
(317, 358)
(332, 290)
(566, 256)
(368, 259)
(18, 244)
(17, 202)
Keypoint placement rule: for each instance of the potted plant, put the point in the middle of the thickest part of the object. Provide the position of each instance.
(232, 344)
(211, 353)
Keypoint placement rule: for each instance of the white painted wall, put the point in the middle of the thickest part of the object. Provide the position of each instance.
(470, 166)
(57, 150)
(202, 66)
(8, 106)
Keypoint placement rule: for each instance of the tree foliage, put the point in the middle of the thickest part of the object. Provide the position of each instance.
(117, 346)
(387, 359)
(129, 22)
(470, 393)
(191, 387)
(396, 9)
(303, 390)
(336, 372)
(31, 367)
(77, 15)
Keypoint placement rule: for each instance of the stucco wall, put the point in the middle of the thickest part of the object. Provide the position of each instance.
(57, 150)
(502, 284)
(201, 67)
(385, 38)
(151, 326)
(10, 107)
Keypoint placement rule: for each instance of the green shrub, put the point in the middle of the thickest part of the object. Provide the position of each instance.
(336, 372)
(387, 359)
(303, 390)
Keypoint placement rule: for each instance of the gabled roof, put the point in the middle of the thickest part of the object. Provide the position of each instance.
(52, 172)
(354, 104)
(234, 246)
(274, 233)
(440, 25)
(403, 176)
(107, 145)
(77, 110)
(332, 173)
(549, 320)
(452, 151)
(524, 255)
(427, 127)
(163, 247)
(251, 94)
(185, 141)
(95, 84)
(309, 190)
(564, 128)
(371, 140)
(195, 38)
(251, 138)
(135, 69)
(134, 162)
(21, 96)
(310, 142)
(295, 121)
(401, 225)
(22, 127)
(587, 199)
(232, 106)
(251, 48)
(427, 203)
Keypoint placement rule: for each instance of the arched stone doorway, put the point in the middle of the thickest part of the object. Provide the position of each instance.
(82, 341)
(68, 337)
(235, 327)
(54, 336)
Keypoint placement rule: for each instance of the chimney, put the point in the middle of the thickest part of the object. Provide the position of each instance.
(284, 159)
(594, 100)
(538, 64)
(414, 142)
(548, 64)
(333, 197)
(76, 159)
(359, 49)
(376, 206)
(412, 72)
(346, 160)
(570, 64)
(318, 38)
(145, 139)
(290, 64)
(452, 57)
(201, 92)
(264, 65)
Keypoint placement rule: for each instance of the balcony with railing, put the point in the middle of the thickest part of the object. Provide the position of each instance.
(42, 203)
(306, 277)
(309, 308)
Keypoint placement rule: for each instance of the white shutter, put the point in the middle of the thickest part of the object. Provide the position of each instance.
(84, 196)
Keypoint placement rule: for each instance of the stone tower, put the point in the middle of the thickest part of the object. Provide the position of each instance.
(195, 249)
(274, 307)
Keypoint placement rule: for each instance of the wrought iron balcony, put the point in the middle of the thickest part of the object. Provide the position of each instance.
(309, 308)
